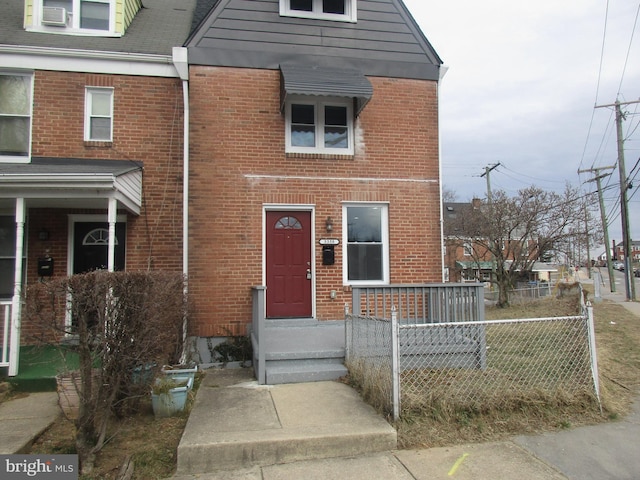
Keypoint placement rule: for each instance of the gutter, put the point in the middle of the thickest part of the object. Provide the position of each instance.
(86, 61)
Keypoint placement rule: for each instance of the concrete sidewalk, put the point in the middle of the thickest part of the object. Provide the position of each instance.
(24, 419)
(599, 452)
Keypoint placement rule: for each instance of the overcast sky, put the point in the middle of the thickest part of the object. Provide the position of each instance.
(523, 81)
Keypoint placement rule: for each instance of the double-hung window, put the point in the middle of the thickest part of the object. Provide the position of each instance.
(98, 122)
(81, 15)
(366, 240)
(15, 117)
(320, 126)
(340, 10)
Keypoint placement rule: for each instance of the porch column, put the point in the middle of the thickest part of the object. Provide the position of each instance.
(112, 216)
(16, 305)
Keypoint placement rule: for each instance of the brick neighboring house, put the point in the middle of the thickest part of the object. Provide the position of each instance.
(309, 131)
(466, 256)
(618, 252)
(91, 142)
(308, 127)
(465, 260)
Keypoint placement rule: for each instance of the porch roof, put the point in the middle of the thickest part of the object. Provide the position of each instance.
(72, 182)
(480, 265)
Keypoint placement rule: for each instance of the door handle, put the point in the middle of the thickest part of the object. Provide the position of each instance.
(308, 274)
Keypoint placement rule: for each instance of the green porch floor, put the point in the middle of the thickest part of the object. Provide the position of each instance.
(38, 368)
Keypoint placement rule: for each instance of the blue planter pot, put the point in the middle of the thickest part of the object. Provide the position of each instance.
(169, 403)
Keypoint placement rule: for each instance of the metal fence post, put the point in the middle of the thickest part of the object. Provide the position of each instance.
(395, 364)
(592, 350)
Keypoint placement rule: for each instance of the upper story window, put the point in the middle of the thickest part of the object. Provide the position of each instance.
(15, 117)
(319, 126)
(340, 10)
(98, 121)
(81, 16)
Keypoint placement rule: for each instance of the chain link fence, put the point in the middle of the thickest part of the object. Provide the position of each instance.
(474, 365)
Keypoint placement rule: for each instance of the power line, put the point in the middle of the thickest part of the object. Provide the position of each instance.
(624, 69)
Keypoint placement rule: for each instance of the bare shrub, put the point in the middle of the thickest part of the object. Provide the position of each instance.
(123, 326)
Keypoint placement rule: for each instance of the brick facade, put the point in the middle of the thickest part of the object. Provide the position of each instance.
(148, 127)
(238, 164)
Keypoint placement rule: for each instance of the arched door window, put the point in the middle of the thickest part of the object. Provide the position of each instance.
(98, 236)
(288, 223)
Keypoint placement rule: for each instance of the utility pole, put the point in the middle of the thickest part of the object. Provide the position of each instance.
(603, 217)
(487, 171)
(586, 235)
(624, 202)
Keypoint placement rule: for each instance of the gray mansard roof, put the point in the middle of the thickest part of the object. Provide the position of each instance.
(385, 41)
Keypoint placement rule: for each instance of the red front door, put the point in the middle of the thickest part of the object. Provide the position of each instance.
(288, 264)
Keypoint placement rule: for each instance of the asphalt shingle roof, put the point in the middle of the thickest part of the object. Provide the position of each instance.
(158, 27)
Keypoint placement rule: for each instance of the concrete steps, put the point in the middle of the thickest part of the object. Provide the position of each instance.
(304, 350)
(236, 424)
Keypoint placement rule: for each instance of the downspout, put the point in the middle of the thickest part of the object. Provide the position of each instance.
(443, 72)
(180, 61)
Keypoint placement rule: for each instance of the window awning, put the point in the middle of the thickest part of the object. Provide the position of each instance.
(73, 182)
(325, 81)
(482, 265)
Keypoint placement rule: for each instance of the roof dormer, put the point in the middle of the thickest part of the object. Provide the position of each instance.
(100, 18)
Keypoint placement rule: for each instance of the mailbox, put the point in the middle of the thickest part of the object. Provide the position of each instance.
(328, 255)
(45, 267)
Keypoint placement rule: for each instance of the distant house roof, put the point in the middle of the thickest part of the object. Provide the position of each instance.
(158, 27)
(385, 41)
(453, 216)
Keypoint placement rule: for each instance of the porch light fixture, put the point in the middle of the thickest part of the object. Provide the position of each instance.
(329, 224)
(43, 235)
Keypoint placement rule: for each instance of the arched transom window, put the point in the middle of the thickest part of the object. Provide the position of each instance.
(288, 223)
(97, 236)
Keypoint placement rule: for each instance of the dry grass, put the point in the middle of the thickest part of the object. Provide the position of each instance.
(618, 345)
(151, 443)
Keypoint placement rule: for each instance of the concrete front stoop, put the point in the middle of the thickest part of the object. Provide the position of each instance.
(304, 350)
(237, 424)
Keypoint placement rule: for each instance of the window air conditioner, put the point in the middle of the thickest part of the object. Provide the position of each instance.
(54, 16)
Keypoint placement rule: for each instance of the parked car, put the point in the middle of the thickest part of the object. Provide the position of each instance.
(636, 272)
(618, 266)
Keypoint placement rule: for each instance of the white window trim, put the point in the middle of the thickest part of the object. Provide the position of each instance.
(73, 21)
(319, 124)
(87, 113)
(384, 225)
(27, 158)
(351, 10)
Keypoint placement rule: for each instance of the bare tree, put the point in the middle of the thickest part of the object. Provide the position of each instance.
(514, 232)
(116, 323)
(449, 195)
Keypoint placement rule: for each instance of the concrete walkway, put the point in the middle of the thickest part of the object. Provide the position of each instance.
(24, 419)
(235, 423)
